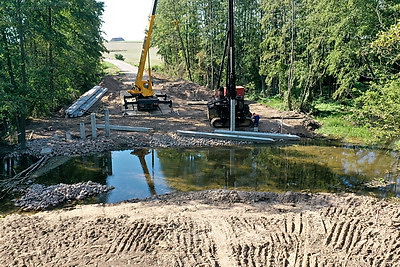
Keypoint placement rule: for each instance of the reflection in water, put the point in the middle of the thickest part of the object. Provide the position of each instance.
(141, 153)
(12, 166)
(143, 173)
(295, 168)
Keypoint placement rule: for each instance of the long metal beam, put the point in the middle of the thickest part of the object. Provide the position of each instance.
(85, 102)
(124, 128)
(227, 136)
(258, 134)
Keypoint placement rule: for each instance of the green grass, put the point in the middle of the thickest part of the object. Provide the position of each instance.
(335, 120)
(336, 123)
(131, 52)
(274, 102)
(110, 69)
(340, 127)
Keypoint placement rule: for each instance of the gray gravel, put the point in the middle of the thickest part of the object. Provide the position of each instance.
(40, 197)
(61, 147)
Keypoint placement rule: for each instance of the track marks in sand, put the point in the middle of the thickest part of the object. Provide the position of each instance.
(206, 235)
(140, 236)
(275, 242)
(189, 244)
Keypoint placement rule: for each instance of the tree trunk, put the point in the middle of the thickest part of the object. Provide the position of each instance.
(288, 96)
(10, 69)
(50, 50)
(21, 120)
(185, 53)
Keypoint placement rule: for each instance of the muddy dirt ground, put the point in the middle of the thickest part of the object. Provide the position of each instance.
(209, 228)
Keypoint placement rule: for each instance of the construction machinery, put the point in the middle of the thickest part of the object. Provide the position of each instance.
(229, 102)
(142, 94)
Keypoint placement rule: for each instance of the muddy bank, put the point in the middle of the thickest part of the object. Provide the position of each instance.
(210, 228)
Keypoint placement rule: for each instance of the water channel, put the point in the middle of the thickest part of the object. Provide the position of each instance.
(307, 167)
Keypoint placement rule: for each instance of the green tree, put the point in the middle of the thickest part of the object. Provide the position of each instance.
(321, 48)
(51, 52)
(190, 36)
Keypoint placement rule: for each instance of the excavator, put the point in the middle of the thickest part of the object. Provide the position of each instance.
(229, 102)
(142, 92)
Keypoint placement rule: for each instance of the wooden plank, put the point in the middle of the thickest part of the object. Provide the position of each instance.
(125, 128)
(227, 136)
(258, 134)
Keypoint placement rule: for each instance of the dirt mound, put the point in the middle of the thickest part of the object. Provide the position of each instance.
(187, 90)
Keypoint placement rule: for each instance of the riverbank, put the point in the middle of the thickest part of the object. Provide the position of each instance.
(209, 228)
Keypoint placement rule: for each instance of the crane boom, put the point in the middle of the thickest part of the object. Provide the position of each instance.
(142, 91)
(145, 87)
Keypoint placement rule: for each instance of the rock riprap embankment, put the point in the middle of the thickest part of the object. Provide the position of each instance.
(61, 147)
(40, 197)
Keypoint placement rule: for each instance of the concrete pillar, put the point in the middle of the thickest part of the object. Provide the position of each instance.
(93, 125)
(68, 136)
(107, 121)
(83, 131)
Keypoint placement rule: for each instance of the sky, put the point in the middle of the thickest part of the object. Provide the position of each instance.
(126, 18)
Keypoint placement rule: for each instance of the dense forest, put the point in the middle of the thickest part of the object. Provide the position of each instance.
(50, 52)
(300, 50)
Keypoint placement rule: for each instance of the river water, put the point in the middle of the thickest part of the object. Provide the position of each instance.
(306, 166)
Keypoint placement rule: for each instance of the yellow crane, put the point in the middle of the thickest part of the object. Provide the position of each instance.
(142, 91)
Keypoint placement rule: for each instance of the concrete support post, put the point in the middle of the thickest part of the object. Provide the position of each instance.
(83, 131)
(107, 121)
(93, 125)
(68, 136)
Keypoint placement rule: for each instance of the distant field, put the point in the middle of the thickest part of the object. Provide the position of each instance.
(131, 51)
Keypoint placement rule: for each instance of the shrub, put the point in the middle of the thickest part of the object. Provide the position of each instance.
(379, 107)
(119, 57)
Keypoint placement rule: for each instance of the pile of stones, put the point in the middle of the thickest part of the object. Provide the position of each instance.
(60, 147)
(40, 197)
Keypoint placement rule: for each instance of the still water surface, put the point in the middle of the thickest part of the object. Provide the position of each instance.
(307, 167)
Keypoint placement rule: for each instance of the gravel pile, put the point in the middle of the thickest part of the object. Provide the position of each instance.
(175, 140)
(40, 197)
(224, 196)
(62, 147)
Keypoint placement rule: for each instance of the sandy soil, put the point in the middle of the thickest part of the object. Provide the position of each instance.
(210, 228)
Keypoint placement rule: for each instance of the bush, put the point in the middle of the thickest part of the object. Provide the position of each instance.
(119, 57)
(379, 107)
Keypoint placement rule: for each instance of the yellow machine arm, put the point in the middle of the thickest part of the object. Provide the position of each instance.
(145, 87)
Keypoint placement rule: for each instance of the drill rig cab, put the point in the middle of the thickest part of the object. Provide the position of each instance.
(229, 108)
(219, 110)
(142, 92)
